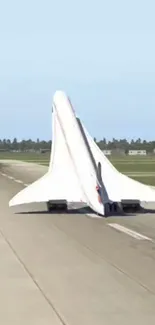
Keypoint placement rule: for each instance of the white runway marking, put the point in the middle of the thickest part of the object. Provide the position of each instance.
(18, 181)
(14, 179)
(129, 232)
(93, 215)
(3, 174)
(10, 177)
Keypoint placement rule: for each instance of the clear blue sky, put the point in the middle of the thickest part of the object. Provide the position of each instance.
(102, 53)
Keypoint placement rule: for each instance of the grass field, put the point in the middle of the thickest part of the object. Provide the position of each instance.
(139, 168)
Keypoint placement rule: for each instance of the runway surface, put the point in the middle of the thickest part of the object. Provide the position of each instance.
(72, 269)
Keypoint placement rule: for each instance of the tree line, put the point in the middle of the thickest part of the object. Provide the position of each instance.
(104, 144)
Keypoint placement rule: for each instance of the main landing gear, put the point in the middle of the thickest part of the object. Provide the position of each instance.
(123, 207)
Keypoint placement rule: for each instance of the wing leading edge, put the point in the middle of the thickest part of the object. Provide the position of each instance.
(78, 170)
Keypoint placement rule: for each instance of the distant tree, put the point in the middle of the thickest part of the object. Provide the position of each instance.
(29, 144)
(15, 144)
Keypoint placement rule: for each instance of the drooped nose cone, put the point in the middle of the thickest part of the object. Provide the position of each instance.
(62, 103)
(59, 97)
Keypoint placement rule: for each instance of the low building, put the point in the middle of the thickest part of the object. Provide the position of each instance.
(118, 152)
(107, 152)
(137, 153)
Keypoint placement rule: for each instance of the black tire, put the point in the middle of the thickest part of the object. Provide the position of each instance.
(107, 209)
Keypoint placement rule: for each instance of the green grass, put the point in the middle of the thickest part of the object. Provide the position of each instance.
(25, 156)
(139, 168)
(135, 167)
(145, 180)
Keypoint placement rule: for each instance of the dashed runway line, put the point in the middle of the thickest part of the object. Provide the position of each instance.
(14, 179)
(93, 215)
(3, 174)
(127, 231)
(11, 177)
(18, 181)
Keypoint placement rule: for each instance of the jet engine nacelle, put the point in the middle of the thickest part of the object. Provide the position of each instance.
(123, 207)
(57, 205)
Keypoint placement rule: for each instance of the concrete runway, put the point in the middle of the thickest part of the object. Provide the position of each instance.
(72, 269)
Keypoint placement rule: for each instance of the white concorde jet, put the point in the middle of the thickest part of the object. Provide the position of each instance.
(80, 172)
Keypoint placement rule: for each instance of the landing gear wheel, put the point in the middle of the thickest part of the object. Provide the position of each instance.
(107, 208)
(112, 208)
